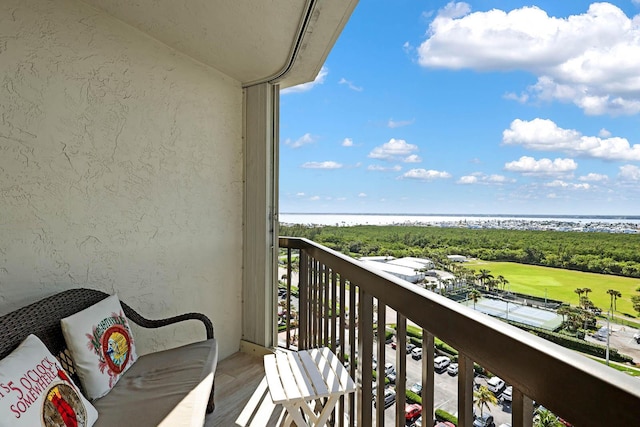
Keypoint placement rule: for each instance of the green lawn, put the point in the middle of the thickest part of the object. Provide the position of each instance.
(560, 284)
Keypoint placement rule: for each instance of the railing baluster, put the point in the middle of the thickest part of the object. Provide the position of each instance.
(465, 390)
(352, 342)
(341, 330)
(303, 301)
(381, 357)
(327, 307)
(521, 409)
(428, 378)
(288, 301)
(401, 373)
(314, 304)
(365, 349)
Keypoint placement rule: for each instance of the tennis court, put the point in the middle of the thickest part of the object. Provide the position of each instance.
(517, 313)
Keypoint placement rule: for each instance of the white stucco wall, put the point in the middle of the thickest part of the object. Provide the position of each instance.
(120, 169)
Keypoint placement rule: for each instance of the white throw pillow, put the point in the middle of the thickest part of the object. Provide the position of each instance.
(36, 391)
(101, 344)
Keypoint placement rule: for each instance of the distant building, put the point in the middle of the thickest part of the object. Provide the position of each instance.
(377, 258)
(406, 273)
(415, 263)
(457, 258)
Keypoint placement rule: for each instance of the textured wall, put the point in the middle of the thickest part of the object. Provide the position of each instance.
(120, 169)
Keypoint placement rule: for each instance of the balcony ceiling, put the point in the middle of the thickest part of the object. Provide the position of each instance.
(249, 40)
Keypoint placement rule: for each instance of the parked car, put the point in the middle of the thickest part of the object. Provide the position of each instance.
(416, 388)
(410, 347)
(507, 395)
(441, 362)
(412, 411)
(495, 385)
(485, 420)
(389, 397)
(636, 337)
(453, 369)
(392, 377)
(388, 367)
(416, 353)
(394, 345)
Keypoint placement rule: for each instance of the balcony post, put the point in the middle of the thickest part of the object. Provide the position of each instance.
(365, 350)
(522, 409)
(428, 372)
(465, 390)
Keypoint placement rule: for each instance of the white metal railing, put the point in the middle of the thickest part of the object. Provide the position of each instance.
(574, 387)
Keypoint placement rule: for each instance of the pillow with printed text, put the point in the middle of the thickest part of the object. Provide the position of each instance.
(36, 391)
(101, 344)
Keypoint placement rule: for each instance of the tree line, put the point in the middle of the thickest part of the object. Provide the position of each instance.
(606, 253)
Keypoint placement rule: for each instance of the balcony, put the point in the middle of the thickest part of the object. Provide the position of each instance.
(338, 296)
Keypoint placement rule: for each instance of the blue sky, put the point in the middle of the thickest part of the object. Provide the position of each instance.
(488, 107)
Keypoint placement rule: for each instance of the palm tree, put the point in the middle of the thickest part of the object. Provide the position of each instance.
(484, 275)
(578, 291)
(545, 418)
(586, 292)
(614, 296)
(475, 295)
(563, 310)
(483, 397)
(502, 281)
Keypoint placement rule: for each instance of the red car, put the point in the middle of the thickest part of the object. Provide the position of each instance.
(412, 411)
(393, 345)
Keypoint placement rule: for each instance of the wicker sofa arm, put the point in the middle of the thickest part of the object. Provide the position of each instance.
(148, 323)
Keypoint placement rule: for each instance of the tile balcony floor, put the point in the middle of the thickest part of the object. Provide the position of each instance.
(242, 397)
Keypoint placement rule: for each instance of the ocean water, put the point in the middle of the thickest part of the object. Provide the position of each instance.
(620, 224)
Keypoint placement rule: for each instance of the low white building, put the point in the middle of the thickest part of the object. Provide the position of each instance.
(415, 263)
(457, 258)
(406, 273)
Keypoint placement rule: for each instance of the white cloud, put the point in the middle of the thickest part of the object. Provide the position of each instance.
(322, 165)
(314, 198)
(305, 139)
(590, 59)
(567, 185)
(399, 123)
(545, 135)
(395, 149)
(347, 142)
(305, 87)
(629, 173)
(299, 194)
(468, 179)
(481, 178)
(522, 98)
(378, 168)
(594, 177)
(603, 132)
(530, 166)
(426, 175)
(350, 85)
(413, 158)
(362, 195)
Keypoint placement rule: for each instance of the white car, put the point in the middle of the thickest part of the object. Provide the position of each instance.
(507, 394)
(495, 384)
(441, 362)
(453, 369)
(416, 353)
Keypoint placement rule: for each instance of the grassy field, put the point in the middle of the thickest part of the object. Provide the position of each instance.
(560, 284)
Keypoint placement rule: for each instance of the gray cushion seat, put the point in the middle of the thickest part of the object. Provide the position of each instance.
(167, 388)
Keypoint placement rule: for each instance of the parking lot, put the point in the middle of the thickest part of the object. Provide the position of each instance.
(445, 393)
